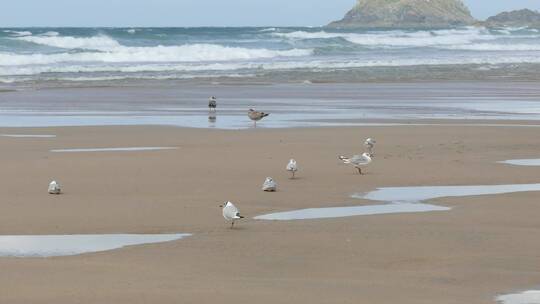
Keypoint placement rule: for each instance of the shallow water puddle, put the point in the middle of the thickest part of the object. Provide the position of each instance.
(423, 193)
(526, 297)
(126, 149)
(65, 245)
(399, 200)
(522, 162)
(28, 135)
(333, 212)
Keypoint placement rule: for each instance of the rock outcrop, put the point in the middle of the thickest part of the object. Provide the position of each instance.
(524, 17)
(406, 14)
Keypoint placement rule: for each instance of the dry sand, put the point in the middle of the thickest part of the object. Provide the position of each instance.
(484, 246)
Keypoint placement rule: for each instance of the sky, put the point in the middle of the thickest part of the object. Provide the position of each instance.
(25, 13)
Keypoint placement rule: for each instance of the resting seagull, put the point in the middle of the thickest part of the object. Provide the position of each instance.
(54, 188)
(357, 161)
(256, 116)
(231, 213)
(370, 143)
(269, 185)
(292, 167)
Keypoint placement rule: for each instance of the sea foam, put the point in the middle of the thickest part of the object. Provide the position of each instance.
(400, 38)
(67, 42)
(111, 51)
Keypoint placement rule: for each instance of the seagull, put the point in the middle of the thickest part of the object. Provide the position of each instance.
(256, 116)
(212, 103)
(370, 143)
(269, 185)
(231, 213)
(292, 167)
(358, 161)
(54, 188)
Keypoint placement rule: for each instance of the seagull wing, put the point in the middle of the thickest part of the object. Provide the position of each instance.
(359, 160)
(230, 211)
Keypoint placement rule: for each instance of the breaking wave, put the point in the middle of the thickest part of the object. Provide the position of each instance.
(116, 53)
(400, 38)
(89, 43)
(172, 53)
(18, 33)
(316, 65)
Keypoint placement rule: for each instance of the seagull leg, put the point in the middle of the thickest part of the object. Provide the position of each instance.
(232, 224)
(293, 174)
(359, 170)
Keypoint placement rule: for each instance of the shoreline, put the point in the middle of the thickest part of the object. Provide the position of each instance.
(289, 105)
(8, 87)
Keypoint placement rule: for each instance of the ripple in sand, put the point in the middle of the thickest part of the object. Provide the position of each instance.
(65, 245)
(127, 149)
(522, 162)
(526, 297)
(399, 200)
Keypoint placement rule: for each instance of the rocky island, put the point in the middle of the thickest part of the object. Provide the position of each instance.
(406, 14)
(524, 17)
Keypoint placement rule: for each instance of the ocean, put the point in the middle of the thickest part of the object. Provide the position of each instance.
(109, 55)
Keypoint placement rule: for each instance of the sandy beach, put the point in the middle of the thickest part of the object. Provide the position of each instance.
(141, 143)
(483, 247)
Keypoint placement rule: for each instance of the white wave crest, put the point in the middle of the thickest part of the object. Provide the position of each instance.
(266, 30)
(320, 65)
(67, 42)
(18, 33)
(184, 53)
(135, 70)
(494, 47)
(28, 70)
(124, 77)
(50, 34)
(401, 38)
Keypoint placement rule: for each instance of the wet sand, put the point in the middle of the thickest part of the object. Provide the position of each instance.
(290, 105)
(484, 246)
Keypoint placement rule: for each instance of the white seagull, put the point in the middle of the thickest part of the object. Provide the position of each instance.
(292, 167)
(370, 143)
(269, 185)
(256, 116)
(231, 213)
(357, 161)
(54, 188)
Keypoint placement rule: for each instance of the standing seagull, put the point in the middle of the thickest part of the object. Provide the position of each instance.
(256, 116)
(212, 103)
(370, 143)
(54, 188)
(231, 213)
(357, 161)
(292, 167)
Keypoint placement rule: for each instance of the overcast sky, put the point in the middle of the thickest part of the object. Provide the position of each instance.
(200, 12)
